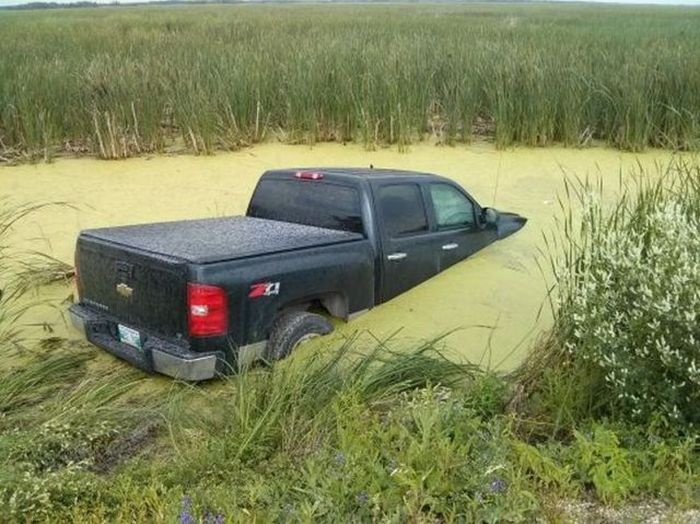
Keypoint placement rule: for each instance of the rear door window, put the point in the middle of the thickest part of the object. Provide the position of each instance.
(402, 209)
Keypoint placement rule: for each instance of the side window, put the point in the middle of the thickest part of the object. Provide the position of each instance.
(452, 208)
(402, 209)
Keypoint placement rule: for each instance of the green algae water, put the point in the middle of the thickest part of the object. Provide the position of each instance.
(488, 309)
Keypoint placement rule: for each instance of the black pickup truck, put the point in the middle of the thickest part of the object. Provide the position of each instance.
(193, 299)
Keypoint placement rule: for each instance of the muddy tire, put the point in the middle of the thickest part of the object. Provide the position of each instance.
(291, 329)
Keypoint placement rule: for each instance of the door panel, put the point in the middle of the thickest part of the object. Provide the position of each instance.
(407, 262)
(408, 256)
(459, 233)
(456, 245)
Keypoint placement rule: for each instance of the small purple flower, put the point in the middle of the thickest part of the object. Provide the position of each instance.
(186, 516)
(498, 485)
(362, 498)
(210, 518)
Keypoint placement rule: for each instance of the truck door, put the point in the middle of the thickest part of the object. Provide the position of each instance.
(408, 254)
(458, 230)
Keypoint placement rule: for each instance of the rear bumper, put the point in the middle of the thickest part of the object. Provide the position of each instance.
(157, 355)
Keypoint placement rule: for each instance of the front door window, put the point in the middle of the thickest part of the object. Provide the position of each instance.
(452, 208)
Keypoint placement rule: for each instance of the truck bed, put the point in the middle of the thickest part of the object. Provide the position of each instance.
(216, 239)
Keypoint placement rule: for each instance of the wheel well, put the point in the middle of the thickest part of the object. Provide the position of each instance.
(333, 304)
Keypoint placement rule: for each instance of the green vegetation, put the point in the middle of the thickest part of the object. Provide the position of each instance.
(119, 82)
(21, 273)
(627, 306)
(386, 436)
(318, 442)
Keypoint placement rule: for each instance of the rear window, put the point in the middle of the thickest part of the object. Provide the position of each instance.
(311, 203)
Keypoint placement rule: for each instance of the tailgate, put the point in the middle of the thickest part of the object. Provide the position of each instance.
(141, 290)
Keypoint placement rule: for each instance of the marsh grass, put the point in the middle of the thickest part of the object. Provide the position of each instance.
(22, 272)
(120, 82)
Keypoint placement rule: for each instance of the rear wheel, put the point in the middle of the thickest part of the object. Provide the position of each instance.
(291, 330)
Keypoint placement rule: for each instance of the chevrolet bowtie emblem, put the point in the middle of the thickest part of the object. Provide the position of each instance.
(124, 290)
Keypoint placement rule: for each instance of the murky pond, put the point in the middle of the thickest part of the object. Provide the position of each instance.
(488, 304)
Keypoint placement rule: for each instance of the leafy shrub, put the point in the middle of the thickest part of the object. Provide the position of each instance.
(26, 496)
(427, 458)
(629, 302)
(56, 446)
(604, 464)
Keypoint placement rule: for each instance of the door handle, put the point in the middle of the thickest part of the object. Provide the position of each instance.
(448, 247)
(396, 256)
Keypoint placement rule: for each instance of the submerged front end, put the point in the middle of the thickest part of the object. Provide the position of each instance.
(509, 223)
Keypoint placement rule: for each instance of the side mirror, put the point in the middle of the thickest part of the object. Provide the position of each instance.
(489, 215)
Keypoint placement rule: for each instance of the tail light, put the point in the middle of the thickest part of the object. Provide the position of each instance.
(207, 310)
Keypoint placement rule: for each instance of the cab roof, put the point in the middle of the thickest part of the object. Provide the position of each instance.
(350, 173)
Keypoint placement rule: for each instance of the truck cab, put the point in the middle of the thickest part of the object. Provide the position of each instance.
(418, 224)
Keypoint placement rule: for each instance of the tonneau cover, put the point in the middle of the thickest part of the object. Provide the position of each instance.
(215, 239)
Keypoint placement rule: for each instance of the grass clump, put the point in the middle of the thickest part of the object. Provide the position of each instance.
(307, 440)
(117, 82)
(21, 273)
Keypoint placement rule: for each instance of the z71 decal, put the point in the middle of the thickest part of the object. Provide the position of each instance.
(264, 289)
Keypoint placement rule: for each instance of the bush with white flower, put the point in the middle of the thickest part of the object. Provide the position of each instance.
(629, 300)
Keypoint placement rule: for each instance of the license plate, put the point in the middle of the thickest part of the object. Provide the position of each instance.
(129, 336)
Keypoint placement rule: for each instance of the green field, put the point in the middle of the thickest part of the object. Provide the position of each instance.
(116, 82)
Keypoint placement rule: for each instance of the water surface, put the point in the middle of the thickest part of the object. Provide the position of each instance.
(491, 304)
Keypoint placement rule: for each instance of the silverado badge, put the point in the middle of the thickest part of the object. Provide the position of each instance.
(125, 290)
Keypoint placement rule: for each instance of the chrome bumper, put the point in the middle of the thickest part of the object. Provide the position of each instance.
(168, 357)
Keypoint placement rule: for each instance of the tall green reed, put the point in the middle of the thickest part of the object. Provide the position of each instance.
(120, 82)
